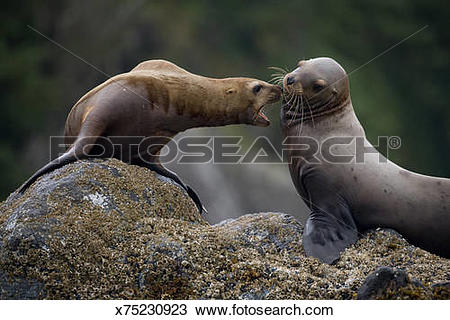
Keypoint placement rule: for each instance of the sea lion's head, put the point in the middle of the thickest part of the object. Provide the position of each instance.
(317, 86)
(247, 97)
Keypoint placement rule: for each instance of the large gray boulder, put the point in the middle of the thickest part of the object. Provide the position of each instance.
(107, 230)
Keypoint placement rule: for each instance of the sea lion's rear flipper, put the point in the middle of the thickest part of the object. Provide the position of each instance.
(78, 151)
(59, 162)
(327, 234)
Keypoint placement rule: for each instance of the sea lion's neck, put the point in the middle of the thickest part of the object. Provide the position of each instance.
(341, 121)
(202, 101)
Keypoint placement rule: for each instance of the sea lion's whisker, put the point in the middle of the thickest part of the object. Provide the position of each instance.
(285, 70)
(310, 111)
(301, 117)
(294, 105)
(276, 79)
(277, 74)
(273, 80)
(291, 99)
(281, 70)
(291, 107)
(287, 97)
(288, 105)
(297, 106)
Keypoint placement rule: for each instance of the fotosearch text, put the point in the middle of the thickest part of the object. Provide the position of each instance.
(230, 149)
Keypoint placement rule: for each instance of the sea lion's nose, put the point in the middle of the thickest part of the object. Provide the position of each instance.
(290, 80)
(276, 93)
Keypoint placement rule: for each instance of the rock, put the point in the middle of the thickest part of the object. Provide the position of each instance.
(107, 230)
(381, 280)
(441, 290)
(390, 283)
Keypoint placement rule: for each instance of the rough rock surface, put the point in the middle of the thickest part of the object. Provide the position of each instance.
(104, 229)
(382, 280)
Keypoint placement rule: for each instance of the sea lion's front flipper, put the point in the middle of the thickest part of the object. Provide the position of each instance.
(327, 234)
(156, 166)
(172, 175)
(194, 196)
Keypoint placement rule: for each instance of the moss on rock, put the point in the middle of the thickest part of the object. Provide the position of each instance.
(107, 230)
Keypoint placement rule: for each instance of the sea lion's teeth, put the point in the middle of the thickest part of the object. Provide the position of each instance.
(262, 115)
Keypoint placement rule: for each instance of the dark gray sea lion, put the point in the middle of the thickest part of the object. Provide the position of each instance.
(154, 101)
(369, 191)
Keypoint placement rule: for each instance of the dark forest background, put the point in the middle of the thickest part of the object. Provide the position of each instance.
(404, 92)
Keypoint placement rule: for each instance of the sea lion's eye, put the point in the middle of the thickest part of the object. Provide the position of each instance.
(257, 88)
(318, 85)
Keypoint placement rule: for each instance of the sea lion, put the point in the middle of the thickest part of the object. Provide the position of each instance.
(352, 197)
(154, 101)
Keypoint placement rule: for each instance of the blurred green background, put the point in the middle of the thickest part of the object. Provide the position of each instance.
(402, 93)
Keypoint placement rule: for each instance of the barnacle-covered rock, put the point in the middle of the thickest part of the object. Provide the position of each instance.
(108, 230)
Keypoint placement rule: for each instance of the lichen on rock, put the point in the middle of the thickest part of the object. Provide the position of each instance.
(108, 230)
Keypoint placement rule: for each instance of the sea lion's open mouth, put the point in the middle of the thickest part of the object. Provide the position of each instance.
(260, 118)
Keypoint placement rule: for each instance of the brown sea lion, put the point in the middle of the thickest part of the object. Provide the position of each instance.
(363, 192)
(154, 101)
